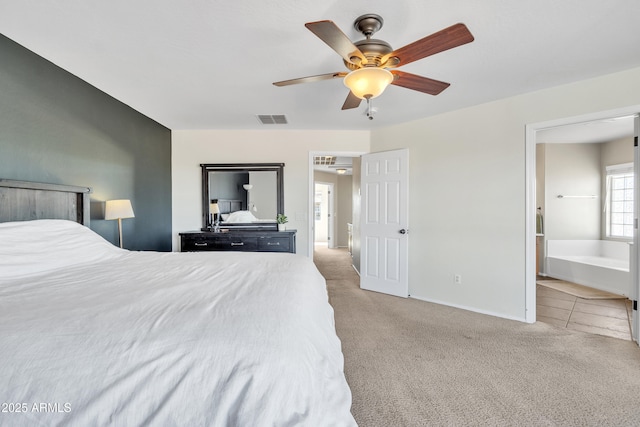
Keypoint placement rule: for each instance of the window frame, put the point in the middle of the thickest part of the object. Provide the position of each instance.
(625, 170)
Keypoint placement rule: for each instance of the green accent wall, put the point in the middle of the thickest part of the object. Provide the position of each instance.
(57, 128)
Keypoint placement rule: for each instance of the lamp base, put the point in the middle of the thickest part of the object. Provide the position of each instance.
(120, 232)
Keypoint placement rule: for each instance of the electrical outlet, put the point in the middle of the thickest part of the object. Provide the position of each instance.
(457, 279)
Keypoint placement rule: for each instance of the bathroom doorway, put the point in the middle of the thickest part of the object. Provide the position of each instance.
(575, 137)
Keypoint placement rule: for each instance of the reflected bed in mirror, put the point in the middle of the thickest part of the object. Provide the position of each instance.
(245, 195)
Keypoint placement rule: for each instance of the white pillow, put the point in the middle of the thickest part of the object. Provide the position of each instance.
(35, 247)
(241, 217)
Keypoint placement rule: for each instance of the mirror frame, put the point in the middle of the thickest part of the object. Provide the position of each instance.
(278, 168)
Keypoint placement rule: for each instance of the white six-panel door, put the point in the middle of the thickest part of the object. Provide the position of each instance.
(384, 224)
(634, 264)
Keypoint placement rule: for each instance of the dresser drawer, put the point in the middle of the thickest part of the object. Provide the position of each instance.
(274, 244)
(218, 243)
(235, 243)
(241, 241)
(194, 243)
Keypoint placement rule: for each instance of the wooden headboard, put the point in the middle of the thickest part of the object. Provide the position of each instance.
(25, 201)
(227, 206)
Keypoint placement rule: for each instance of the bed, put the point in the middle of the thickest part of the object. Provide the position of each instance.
(232, 215)
(91, 334)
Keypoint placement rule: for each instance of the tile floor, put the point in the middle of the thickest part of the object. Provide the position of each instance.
(610, 317)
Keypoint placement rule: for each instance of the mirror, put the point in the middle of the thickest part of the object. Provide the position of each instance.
(246, 195)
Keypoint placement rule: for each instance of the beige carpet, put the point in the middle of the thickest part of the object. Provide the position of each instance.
(578, 290)
(412, 363)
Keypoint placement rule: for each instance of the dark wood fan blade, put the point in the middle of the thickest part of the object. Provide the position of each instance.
(329, 33)
(311, 79)
(352, 101)
(453, 36)
(419, 83)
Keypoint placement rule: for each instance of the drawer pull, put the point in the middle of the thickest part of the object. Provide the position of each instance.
(273, 243)
(237, 243)
(200, 243)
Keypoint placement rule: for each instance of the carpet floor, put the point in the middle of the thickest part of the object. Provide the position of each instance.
(414, 363)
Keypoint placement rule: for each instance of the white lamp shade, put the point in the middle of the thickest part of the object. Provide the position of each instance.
(247, 187)
(368, 82)
(115, 209)
(214, 208)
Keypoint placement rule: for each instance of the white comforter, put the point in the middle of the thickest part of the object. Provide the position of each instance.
(94, 335)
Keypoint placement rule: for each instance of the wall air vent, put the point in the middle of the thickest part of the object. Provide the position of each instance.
(272, 119)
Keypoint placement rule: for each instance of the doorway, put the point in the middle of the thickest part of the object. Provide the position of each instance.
(534, 134)
(332, 168)
(324, 214)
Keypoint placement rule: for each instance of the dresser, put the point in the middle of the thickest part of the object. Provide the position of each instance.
(239, 240)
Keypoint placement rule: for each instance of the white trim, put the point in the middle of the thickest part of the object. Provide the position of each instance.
(530, 224)
(634, 264)
(473, 309)
(621, 168)
(530, 192)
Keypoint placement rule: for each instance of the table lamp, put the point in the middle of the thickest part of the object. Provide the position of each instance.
(118, 209)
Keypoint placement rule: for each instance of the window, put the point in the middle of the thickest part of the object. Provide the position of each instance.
(620, 201)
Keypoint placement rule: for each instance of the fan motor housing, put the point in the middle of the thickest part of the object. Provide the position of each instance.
(373, 50)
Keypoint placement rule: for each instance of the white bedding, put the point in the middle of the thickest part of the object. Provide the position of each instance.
(243, 217)
(94, 335)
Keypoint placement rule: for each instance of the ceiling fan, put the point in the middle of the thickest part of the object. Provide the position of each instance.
(368, 60)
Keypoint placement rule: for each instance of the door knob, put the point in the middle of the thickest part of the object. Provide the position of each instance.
(403, 231)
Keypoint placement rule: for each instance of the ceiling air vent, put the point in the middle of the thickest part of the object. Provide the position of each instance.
(324, 160)
(272, 119)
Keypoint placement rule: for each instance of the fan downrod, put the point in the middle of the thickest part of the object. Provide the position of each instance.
(368, 24)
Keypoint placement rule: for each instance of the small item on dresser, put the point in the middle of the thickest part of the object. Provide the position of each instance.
(282, 219)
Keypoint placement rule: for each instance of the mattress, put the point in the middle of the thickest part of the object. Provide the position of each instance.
(93, 335)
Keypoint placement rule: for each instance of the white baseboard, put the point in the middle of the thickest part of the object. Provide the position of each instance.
(355, 269)
(473, 309)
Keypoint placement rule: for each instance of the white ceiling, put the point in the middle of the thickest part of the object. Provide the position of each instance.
(209, 64)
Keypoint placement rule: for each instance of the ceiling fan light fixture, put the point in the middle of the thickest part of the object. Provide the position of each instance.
(368, 82)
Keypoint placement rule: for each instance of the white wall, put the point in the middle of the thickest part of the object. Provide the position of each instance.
(355, 214)
(345, 209)
(572, 170)
(616, 152)
(260, 197)
(190, 148)
(467, 190)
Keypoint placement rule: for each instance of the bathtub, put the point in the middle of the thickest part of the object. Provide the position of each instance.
(599, 264)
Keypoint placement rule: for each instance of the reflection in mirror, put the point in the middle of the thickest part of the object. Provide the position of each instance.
(245, 195)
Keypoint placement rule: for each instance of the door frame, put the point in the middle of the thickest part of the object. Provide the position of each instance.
(331, 238)
(634, 264)
(311, 190)
(530, 197)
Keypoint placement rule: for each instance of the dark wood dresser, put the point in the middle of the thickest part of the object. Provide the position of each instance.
(239, 240)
